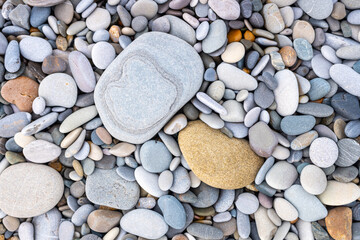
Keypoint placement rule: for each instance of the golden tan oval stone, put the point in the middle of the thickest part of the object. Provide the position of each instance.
(217, 160)
(338, 223)
(288, 55)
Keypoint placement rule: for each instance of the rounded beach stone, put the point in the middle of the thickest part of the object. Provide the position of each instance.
(82, 72)
(225, 9)
(116, 90)
(338, 223)
(144, 223)
(20, 91)
(173, 211)
(103, 220)
(323, 152)
(235, 78)
(102, 54)
(58, 89)
(285, 210)
(216, 37)
(349, 152)
(247, 203)
(281, 175)
(146, 8)
(19, 182)
(155, 157)
(262, 139)
(338, 193)
(273, 19)
(41, 151)
(35, 49)
(98, 19)
(216, 159)
(320, 9)
(313, 179)
(233, 53)
(106, 187)
(347, 78)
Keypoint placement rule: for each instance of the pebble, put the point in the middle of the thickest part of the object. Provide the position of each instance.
(235, 78)
(103, 220)
(319, 88)
(345, 174)
(315, 109)
(20, 91)
(35, 49)
(303, 49)
(309, 207)
(346, 78)
(323, 152)
(26, 231)
(247, 203)
(99, 19)
(216, 37)
(102, 54)
(313, 179)
(144, 223)
(29, 203)
(58, 89)
(66, 230)
(46, 225)
(285, 210)
(40, 151)
(273, 19)
(155, 157)
(98, 191)
(173, 211)
(286, 94)
(338, 223)
(134, 120)
(81, 214)
(295, 125)
(281, 175)
(204, 231)
(233, 53)
(189, 140)
(338, 193)
(346, 105)
(146, 8)
(78, 118)
(82, 71)
(318, 10)
(12, 57)
(265, 227)
(263, 96)
(321, 66)
(349, 152)
(149, 182)
(262, 139)
(228, 9)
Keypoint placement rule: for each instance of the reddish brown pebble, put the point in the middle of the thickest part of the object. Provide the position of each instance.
(61, 43)
(179, 237)
(20, 91)
(288, 55)
(104, 135)
(52, 64)
(338, 223)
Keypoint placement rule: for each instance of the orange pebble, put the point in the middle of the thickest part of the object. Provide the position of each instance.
(249, 36)
(319, 100)
(234, 35)
(246, 70)
(56, 165)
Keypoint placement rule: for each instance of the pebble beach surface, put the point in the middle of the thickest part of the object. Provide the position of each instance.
(179, 119)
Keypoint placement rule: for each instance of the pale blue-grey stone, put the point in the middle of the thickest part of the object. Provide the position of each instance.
(346, 105)
(303, 49)
(319, 9)
(155, 157)
(173, 211)
(35, 49)
(12, 124)
(347, 78)
(297, 124)
(39, 15)
(216, 37)
(12, 57)
(46, 225)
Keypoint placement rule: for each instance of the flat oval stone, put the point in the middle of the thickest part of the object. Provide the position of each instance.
(226, 9)
(20, 181)
(287, 92)
(13, 123)
(281, 175)
(173, 212)
(46, 225)
(321, 66)
(78, 118)
(40, 151)
(274, 22)
(149, 182)
(235, 78)
(347, 78)
(144, 223)
(82, 71)
(338, 193)
(323, 152)
(43, 3)
(195, 142)
(114, 93)
(99, 19)
(313, 179)
(319, 88)
(35, 49)
(349, 152)
(346, 105)
(285, 210)
(102, 220)
(309, 206)
(303, 49)
(316, 9)
(146, 8)
(106, 187)
(247, 203)
(180, 29)
(58, 89)
(155, 157)
(297, 124)
(12, 57)
(315, 109)
(204, 231)
(216, 37)
(262, 139)
(102, 54)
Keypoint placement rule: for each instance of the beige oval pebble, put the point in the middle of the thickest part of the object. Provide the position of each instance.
(176, 124)
(40, 151)
(74, 176)
(234, 52)
(112, 234)
(285, 210)
(22, 140)
(123, 149)
(337, 193)
(78, 168)
(104, 135)
(303, 29)
(95, 152)
(70, 138)
(281, 152)
(313, 179)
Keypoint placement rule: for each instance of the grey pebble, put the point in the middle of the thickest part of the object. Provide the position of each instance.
(12, 57)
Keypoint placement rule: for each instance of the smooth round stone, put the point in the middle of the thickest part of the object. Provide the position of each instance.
(262, 139)
(235, 111)
(349, 152)
(161, 24)
(352, 129)
(346, 78)
(329, 54)
(58, 89)
(126, 173)
(309, 206)
(321, 66)
(323, 152)
(82, 71)
(338, 222)
(164, 92)
(247, 203)
(346, 105)
(26, 230)
(181, 182)
(233, 53)
(66, 230)
(78, 118)
(298, 124)
(234, 78)
(281, 175)
(102, 188)
(338, 193)
(319, 88)
(216, 90)
(304, 140)
(216, 38)
(313, 179)
(40, 151)
(39, 15)
(173, 212)
(101, 35)
(315, 109)
(202, 30)
(46, 225)
(36, 188)
(318, 9)
(81, 214)
(146, 8)
(149, 182)
(227, 10)
(102, 54)
(251, 59)
(263, 96)
(99, 19)
(53, 64)
(303, 49)
(198, 135)
(20, 91)
(260, 176)
(178, 4)
(166, 179)
(144, 223)
(225, 200)
(64, 12)
(103, 220)
(238, 129)
(180, 29)
(155, 157)
(75, 28)
(273, 19)
(353, 17)
(303, 29)
(285, 210)
(265, 227)
(12, 57)
(287, 92)
(204, 231)
(346, 174)
(35, 49)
